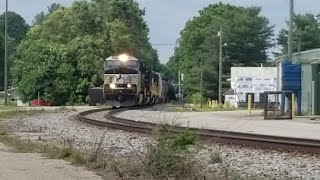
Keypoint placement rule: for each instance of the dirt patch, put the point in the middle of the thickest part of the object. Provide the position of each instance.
(29, 166)
(4, 148)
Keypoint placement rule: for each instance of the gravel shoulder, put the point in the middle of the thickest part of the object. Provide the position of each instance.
(260, 164)
(26, 166)
(57, 127)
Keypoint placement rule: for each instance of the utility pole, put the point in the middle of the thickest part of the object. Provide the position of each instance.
(201, 83)
(6, 56)
(220, 65)
(179, 73)
(299, 46)
(290, 35)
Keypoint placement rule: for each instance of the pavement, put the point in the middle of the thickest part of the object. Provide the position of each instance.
(238, 121)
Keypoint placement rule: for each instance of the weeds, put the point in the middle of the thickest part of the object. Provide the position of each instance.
(3, 131)
(97, 150)
(16, 112)
(170, 156)
(215, 158)
(61, 108)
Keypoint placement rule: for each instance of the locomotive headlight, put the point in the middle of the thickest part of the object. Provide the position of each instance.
(129, 85)
(123, 57)
(112, 86)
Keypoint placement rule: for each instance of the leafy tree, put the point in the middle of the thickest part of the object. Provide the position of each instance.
(40, 17)
(246, 32)
(17, 26)
(17, 29)
(306, 30)
(62, 57)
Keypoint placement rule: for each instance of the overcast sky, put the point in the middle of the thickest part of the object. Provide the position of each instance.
(166, 18)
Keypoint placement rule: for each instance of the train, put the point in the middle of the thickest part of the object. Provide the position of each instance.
(128, 82)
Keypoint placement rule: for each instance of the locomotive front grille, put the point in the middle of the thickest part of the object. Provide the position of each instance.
(121, 79)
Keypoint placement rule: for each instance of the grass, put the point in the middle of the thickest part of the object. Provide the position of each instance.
(15, 111)
(206, 108)
(108, 166)
(172, 156)
(168, 158)
(215, 158)
(8, 108)
(209, 109)
(65, 151)
(197, 108)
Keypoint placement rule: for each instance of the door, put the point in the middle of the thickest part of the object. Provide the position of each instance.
(316, 88)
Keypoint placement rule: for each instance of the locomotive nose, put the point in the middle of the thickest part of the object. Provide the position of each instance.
(120, 98)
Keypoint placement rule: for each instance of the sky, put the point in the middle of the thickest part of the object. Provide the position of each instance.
(166, 18)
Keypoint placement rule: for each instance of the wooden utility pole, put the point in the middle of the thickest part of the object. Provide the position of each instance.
(201, 83)
(220, 65)
(6, 56)
(179, 73)
(290, 35)
(299, 46)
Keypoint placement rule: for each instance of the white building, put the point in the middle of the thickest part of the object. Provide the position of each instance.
(251, 80)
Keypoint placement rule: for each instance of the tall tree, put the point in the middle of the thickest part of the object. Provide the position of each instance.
(62, 56)
(306, 33)
(40, 17)
(246, 32)
(17, 29)
(17, 26)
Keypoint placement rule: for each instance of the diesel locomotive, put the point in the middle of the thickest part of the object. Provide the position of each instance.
(129, 81)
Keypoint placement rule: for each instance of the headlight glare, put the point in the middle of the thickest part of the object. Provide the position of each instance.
(112, 86)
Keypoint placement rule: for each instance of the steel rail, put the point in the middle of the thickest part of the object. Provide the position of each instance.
(229, 137)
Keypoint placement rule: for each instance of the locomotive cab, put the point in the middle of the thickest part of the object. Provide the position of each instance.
(128, 82)
(121, 80)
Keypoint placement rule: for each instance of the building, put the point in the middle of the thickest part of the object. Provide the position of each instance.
(13, 97)
(310, 69)
(255, 80)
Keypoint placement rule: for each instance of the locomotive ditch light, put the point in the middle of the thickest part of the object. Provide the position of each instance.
(112, 86)
(129, 85)
(123, 57)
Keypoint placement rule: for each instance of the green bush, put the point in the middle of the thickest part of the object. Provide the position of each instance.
(170, 156)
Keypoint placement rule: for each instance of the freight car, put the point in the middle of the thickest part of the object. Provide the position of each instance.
(129, 82)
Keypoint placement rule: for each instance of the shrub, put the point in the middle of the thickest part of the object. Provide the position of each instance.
(170, 156)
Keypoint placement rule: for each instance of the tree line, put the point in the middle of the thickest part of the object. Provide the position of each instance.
(60, 54)
(246, 37)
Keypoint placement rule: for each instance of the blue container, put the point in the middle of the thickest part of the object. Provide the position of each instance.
(291, 76)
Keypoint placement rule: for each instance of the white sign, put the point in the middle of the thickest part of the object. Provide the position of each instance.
(182, 75)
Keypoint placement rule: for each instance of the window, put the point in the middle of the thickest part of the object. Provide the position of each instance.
(131, 63)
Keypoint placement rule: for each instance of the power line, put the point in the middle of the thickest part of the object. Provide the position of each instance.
(163, 44)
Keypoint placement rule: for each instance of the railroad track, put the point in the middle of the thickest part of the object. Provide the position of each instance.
(228, 137)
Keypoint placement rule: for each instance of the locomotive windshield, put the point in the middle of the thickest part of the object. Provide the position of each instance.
(131, 63)
(120, 70)
(118, 67)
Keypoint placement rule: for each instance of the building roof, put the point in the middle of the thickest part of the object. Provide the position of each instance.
(305, 56)
(252, 72)
(11, 93)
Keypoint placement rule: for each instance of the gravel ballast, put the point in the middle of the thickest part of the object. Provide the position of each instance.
(245, 161)
(59, 127)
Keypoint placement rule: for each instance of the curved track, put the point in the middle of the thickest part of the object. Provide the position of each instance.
(247, 139)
